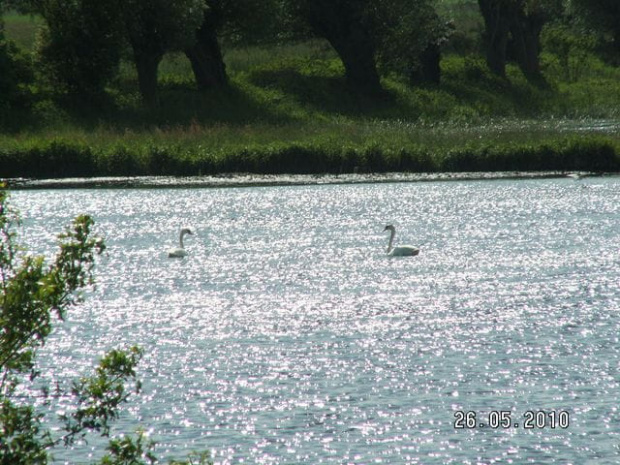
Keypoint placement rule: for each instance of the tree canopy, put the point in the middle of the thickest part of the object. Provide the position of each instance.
(604, 17)
(83, 41)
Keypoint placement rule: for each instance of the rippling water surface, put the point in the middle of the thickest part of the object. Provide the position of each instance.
(288, 337)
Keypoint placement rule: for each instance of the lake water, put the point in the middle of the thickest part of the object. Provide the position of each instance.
(287, 336)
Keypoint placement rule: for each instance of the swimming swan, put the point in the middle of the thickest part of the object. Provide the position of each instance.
(402, 250)
(179, 251)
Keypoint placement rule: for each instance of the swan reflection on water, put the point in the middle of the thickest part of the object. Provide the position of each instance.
(179, 252)
(401, 250)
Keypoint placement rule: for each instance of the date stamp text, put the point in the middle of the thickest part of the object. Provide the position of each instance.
(505, 419)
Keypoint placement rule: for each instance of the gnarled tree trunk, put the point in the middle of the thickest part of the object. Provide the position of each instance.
(428, 71)
(497, 17)
(357, 54)
(205, 55)
(342, 24)
(525, 44)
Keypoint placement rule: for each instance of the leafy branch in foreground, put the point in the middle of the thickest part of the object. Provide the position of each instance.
(32, 293)
(99, 396)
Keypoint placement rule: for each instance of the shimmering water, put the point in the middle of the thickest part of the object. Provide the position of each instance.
(288, 337)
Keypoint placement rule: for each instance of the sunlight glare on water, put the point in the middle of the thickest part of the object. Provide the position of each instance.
(288, 336)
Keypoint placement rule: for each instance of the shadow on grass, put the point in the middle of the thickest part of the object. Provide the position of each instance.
(473, 84)
(184, 105)
(326, 91)
(179, 105)
(466, 84)
(293, 90)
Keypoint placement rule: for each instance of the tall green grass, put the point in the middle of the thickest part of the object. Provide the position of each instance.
(309, 148)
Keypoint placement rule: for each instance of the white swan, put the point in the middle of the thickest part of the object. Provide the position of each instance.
(179, 252)
(401, 250)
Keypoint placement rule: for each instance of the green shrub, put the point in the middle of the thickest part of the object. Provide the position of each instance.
(572, 49)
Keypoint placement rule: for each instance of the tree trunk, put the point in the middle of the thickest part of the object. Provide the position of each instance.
(342, 24)
(205, 55)
(525, 42)
(146, 65)
(359, 63)
(497, 18)
(206, 59)
(428, 71)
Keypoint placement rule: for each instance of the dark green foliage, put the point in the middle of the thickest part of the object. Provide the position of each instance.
(573, 155)
(162, 161)
(56, 160)
(23, 441)
(121, 161)
(79, 48)
(15, 75)
(572, 49)
(602, 16)
(403, 36)
(409, 36)
(99, 396)
(248, 22)
(81, 45)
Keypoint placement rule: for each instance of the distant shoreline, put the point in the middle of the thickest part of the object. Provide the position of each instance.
(252, 180)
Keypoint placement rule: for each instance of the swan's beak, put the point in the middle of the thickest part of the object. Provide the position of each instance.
(385, 229)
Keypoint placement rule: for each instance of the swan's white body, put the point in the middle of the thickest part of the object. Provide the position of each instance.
(179, 252)
(401, 250)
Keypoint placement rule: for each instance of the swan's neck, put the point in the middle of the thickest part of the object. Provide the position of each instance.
(181, 240)
(392, 234)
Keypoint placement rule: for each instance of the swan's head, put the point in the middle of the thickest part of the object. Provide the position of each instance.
(389, 227)
(186, 231)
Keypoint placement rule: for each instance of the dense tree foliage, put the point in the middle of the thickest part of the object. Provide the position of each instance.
(83, 41)
(409, 36)
(603, 16)
(79, 47)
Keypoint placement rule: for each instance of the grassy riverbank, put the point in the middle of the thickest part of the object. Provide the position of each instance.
(288, 110)
(332, 148)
